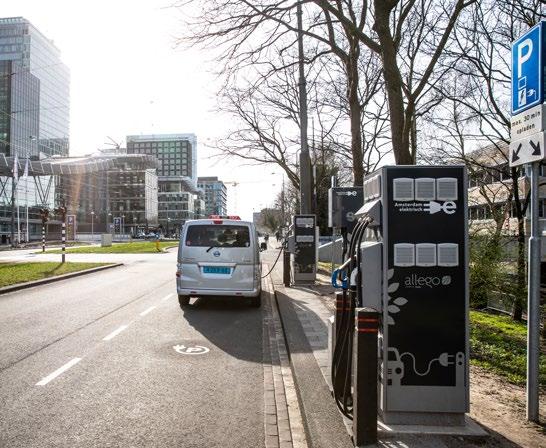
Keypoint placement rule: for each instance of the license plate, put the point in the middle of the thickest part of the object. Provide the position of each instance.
(216, 270)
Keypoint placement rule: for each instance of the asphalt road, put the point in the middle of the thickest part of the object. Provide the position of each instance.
(89, 362)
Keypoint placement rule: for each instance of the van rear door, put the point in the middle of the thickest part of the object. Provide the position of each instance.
(218, 256)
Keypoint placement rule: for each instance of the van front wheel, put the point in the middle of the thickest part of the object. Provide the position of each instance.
(184, 301)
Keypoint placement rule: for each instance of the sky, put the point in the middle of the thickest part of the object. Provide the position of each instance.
(128, 76)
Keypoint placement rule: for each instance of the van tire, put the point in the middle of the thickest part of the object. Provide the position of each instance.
(184, 301)
(256, 302)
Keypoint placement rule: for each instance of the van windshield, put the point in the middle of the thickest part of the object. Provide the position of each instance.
(214, 235)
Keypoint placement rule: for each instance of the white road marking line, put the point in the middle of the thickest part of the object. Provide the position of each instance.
(167, 297)
(57, 372)
(115, 333)
(147, 311)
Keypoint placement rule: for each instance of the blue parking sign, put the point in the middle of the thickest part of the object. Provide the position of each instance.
(528, 69)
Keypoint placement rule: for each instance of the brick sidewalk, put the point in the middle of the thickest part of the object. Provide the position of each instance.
(283, 422)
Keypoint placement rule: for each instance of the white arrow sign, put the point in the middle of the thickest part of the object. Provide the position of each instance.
(527, 150)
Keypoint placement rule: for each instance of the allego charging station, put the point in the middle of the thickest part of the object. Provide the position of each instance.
(408, 262)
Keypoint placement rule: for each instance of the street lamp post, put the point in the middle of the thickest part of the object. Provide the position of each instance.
(123, 224)
(305, 165)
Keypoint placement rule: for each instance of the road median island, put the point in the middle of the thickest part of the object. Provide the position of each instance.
(135, 247)
(15, 276)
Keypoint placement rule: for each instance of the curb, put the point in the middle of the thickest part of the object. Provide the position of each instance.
(323, 423)
(57, 278)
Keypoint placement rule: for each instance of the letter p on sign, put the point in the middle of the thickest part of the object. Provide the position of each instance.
(525, 49)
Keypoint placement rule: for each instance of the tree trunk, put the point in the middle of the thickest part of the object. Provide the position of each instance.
(393, 83)
(355, 111)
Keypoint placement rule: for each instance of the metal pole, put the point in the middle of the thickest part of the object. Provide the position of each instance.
(12, 236)
(26, 198)
(533, 302)
(43, 237)
(333, 184)
(26, 204)
(282, 204)
(92, 230)
(18, 218)
(365, 376)
(305, 165)
(63, 239)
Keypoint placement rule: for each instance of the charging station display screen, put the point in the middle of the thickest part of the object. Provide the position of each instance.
(425, 238)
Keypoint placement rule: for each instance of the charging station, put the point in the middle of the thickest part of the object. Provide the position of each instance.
(303, 249)
(343, 202)
(408, 263)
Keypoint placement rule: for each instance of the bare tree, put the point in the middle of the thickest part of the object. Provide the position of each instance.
(478, 86)
(254, 33)
(410, 36)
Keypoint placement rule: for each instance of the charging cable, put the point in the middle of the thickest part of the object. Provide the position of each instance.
(274, 264)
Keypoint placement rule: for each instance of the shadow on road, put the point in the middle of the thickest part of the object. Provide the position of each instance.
(230, 324)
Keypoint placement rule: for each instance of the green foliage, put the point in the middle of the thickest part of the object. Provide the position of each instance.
(485, 270)
(498, 344)
(136, 247)
(12, 273)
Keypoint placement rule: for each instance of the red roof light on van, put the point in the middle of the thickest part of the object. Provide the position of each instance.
(217, 221)
(234, 217)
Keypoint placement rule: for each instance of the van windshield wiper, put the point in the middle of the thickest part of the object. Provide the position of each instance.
(211, 247)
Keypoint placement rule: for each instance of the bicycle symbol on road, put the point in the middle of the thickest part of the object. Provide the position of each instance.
(195, 350)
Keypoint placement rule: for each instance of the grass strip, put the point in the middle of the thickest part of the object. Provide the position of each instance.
(499, 344)
(136, 247)
(13, 273)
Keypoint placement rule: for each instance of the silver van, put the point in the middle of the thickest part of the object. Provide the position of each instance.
(218, 257)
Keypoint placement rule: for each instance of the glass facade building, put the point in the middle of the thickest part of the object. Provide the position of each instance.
(177, 175)
(215, 193)
(34, 92)
(34, 115)
(128, 190)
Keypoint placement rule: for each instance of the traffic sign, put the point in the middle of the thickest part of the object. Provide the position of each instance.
(527, 150)
(528, 69)
(527, 123)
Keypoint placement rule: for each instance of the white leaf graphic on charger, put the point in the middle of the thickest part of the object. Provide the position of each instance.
(390, 273)
(400, 301)
(390, 320)
(393, 309)
(393, 287)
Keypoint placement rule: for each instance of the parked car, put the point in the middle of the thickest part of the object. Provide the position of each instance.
(218, 257)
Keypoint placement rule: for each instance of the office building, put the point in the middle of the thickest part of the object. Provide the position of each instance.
(177, 175)
(123, 189)
(215, 193)
(34, 118)
(34, 92)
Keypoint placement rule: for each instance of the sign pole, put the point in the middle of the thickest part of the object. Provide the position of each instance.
(533, 302)
(527, 147)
